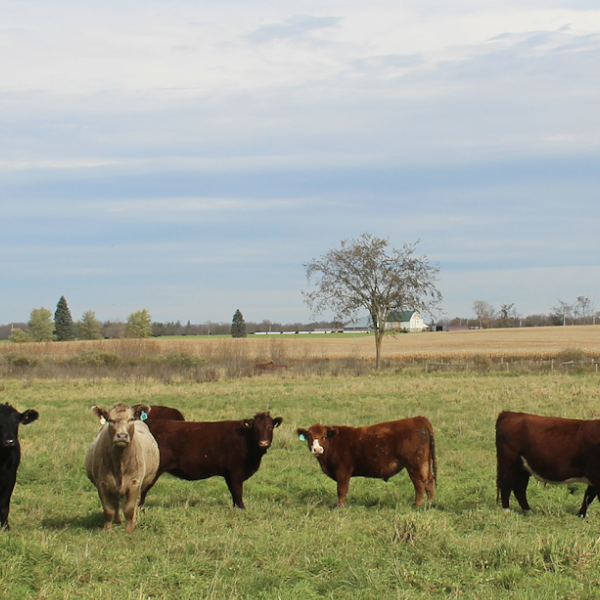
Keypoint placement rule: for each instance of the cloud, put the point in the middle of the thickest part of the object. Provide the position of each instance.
(294, 29)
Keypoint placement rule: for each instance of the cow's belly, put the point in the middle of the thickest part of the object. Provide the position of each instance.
(382, 469)
(554, 478)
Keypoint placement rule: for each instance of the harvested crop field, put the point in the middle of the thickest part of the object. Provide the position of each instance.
(534, 342)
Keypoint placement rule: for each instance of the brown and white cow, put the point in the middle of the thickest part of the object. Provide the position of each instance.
(378, 451)
(199, 450)
(122, 461)
(552, 449)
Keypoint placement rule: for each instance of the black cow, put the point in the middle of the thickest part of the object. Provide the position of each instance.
(10, 454)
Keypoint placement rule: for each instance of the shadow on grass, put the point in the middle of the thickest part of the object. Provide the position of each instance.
(87, 522)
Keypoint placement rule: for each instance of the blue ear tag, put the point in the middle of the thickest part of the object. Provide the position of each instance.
(143, 416)
(301, 437)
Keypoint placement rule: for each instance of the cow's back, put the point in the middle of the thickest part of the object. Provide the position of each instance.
(198, 450)
(383, 449)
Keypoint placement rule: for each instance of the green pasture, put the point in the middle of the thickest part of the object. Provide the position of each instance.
(291, 542)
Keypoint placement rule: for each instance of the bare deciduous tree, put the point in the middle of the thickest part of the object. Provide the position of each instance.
(364, 274)
(484, 312)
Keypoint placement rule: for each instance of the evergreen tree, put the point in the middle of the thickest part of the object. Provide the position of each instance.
(89, 327)
(40, 325)
(139, 324)
(238, 325)
(63, 322)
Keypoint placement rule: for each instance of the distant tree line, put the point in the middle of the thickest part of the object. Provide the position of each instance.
(43, 326)
(580, 312)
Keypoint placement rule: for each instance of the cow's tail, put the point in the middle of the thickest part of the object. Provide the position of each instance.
(432, 456)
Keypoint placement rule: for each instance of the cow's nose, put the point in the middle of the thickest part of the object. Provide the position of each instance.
(263, 444)
(122, 437)
(318, 450)
(9, 443)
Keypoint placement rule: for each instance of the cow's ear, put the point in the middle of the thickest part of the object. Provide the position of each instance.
(139, 410)
(331, 432)
(29, 416)
(277, 421)
(248, 423)
(302, 434)
(100, 413)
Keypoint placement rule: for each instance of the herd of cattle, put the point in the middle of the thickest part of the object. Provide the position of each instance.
(137, 444)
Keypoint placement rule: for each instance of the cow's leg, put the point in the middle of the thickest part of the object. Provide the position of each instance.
(520, 488)
(506, 478)
(5, 495)
(428, 479)
(588, 498)
(108, 506)
(343, 483)
(236, 489)
(419, 482)
(146, 490)
(131, 503)
(4, 509)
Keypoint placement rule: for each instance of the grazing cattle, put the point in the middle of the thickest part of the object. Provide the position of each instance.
(165, 412)
(122, 461)
(199, 450)
(10, 454)
(379, 451)
(552, 449)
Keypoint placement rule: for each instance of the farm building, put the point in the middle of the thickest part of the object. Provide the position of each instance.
(409, 320)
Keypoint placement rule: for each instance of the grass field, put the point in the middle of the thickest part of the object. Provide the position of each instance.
(291, 543)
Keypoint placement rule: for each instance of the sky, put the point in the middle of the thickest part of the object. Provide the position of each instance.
(188, 157)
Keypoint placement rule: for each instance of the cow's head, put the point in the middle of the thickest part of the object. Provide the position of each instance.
(120, 420)
(10, 419)
(261, 428)
(317, 437)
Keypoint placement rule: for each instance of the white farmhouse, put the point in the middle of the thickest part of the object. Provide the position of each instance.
(409, 320)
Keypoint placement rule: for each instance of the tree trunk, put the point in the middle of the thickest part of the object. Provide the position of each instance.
(378, 340)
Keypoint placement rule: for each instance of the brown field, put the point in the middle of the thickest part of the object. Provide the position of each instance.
(525, 343)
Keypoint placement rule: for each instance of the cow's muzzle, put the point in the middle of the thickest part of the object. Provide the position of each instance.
(121, 439)
(264, 444)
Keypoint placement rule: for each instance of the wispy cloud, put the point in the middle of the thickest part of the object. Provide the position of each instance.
(294, 29)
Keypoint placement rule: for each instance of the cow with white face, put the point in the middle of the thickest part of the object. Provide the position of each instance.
(122, 461)
(379, 451)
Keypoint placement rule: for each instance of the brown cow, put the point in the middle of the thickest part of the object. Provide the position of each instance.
(552, 449)
(379, 451)
(199, 450)
(165, 412)
(122, 461)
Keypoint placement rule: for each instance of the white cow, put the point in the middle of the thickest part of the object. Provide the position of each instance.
(122, 461)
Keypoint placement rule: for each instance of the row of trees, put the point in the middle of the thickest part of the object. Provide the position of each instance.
(580, 312)
(41, 327)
